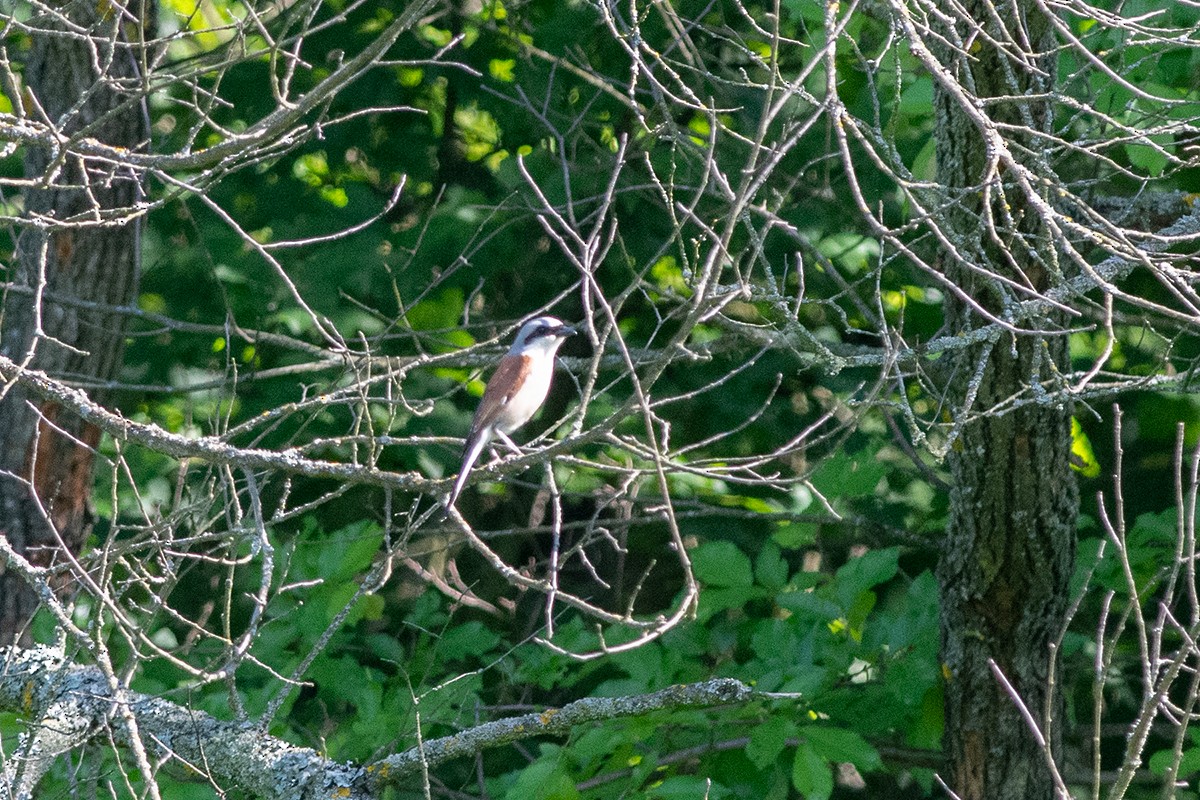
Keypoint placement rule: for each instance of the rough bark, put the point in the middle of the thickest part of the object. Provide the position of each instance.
(1010, 542)
(81, 243)
(73, 703)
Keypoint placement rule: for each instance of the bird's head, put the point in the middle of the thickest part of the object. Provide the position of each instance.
(540, 334)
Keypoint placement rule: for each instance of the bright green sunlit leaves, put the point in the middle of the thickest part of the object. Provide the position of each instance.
(1083, 458)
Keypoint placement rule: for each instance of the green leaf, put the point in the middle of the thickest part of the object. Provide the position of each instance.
(841, 744)
(1148, 158)
(810, 604)
(722, 564)
(847, 475)
(467, 639)
(795, 535)
(770, 570)
(371, 608)
(856, 613)
(1189, 761)
(349, 551)
(811, 774)
(502, 69)
(811, 11)
(860, 574)
(924, 166)
(715, 599)
(544, 779)
(916, 99)
(443, 310)
(926, 731)
(687, 787)
(853, 251)
(1083, 458)
(768, 740)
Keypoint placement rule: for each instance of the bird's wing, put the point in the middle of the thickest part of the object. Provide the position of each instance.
(505, 382)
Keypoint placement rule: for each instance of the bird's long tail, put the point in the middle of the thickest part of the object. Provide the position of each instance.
(475, 445)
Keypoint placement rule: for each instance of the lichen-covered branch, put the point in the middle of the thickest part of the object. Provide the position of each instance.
(40, 683)
(554, 722)
(74, 702)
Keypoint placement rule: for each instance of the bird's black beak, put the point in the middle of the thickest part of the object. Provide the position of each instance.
(565, 330)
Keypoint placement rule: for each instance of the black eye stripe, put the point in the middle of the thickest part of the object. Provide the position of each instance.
(546, 331)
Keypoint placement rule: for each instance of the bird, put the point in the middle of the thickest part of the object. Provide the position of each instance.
(515, 391)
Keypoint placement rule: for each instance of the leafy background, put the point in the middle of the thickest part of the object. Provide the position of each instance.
(839, 616)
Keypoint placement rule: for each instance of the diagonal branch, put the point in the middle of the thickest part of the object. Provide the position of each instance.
(42, 684)
(281, 128)
(555, 722)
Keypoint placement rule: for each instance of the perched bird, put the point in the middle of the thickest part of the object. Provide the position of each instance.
(515, 391)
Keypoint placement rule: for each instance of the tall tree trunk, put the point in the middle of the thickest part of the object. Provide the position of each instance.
(77, 249)
(1010, 545)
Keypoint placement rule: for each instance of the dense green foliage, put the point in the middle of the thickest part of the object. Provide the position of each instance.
(815, 560)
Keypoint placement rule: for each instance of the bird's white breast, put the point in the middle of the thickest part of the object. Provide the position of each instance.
(528, 398)
(532, 379)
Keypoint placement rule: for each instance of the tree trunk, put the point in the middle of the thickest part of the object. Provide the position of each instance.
(1010, 545)
(77, 249)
